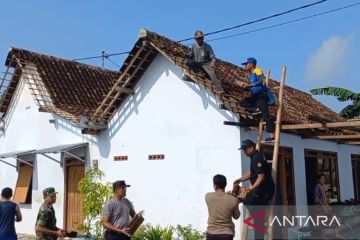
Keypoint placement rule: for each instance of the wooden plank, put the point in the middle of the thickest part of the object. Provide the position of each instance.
(124, 84)
(260, 134)
(276, 147)
(267, 78)
(125, 90)
(335, 137)
(353, 142)
(23, 183)
(350, 123)
(120, 79)
(322, 125)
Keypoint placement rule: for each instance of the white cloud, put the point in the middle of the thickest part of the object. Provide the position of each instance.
(329, 60)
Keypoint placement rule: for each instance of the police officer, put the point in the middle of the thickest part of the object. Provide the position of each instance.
(46, 228)
(262, 187)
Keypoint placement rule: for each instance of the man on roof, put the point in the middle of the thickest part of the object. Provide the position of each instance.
(201, 58)
(259, 92)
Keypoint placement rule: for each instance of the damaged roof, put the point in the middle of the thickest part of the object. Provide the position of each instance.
(72, 89)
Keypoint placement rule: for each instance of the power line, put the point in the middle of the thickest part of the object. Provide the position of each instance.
(243, 33)
(218, 31)
(108, 58)
(102, 56)
(260, 20)
(284, 23)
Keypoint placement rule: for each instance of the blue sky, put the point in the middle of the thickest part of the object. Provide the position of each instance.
(318, 52)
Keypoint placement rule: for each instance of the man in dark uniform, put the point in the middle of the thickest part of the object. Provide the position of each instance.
(46, 228)
(262, 186)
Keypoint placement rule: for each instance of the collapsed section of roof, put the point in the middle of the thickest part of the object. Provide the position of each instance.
(89, 96)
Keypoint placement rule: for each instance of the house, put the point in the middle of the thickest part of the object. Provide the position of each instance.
(166, 137)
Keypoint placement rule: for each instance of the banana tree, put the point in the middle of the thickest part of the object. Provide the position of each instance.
(343, 95)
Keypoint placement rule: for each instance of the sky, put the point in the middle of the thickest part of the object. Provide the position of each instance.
(318, 52)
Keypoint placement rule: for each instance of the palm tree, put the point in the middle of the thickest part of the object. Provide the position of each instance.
(343, 95)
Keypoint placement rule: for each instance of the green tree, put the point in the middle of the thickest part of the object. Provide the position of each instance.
(343, 95)
(94, 195)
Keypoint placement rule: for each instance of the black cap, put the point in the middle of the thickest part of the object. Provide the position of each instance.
(120, 183)
(246, 143)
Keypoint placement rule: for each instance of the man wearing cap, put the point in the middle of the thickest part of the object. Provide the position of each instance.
(116, 213)
(45, 227)
(222, 208)
(9, 213)
(262, 185)
(202, 58)
(259, 91)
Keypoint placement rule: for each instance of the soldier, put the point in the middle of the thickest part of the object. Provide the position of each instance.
(45, 227)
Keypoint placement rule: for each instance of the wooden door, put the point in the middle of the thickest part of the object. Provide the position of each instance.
(74, 216)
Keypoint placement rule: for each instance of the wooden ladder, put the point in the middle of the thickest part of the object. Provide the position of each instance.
(274, 162)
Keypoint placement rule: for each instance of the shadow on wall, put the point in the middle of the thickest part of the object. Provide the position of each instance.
(61, 123)
(209, 100)
(129, 107)
(131, 104)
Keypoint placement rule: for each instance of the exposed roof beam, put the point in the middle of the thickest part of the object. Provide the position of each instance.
(125, 90)
(118, 82)
(335, 137)
(351, 123)
(321, 125)
(126, 81)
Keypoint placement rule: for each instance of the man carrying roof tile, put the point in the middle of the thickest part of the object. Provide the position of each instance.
(201, 58)
(259, 91)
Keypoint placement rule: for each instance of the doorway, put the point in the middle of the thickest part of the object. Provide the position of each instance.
(74, 172)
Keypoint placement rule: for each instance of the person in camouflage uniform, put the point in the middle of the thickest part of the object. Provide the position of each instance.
(46, 228)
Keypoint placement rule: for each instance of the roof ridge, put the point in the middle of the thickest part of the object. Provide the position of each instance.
(14, 49)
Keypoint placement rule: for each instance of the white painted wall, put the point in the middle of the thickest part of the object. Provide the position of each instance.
(181, 120)
(29, 129)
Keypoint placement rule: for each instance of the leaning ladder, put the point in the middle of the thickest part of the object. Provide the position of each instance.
(275, 151)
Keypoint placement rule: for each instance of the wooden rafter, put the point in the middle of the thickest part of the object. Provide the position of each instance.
(125, 83)
(355, 123)
(104, 103)
(349, 123)
(336, 137)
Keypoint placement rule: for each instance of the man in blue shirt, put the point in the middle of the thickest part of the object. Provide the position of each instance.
(259, 91)
(9, 213)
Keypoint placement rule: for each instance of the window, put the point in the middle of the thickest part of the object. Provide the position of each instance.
(326, 163)
(23, 187)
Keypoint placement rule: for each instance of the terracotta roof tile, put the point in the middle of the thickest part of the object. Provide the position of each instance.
(77, 89)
